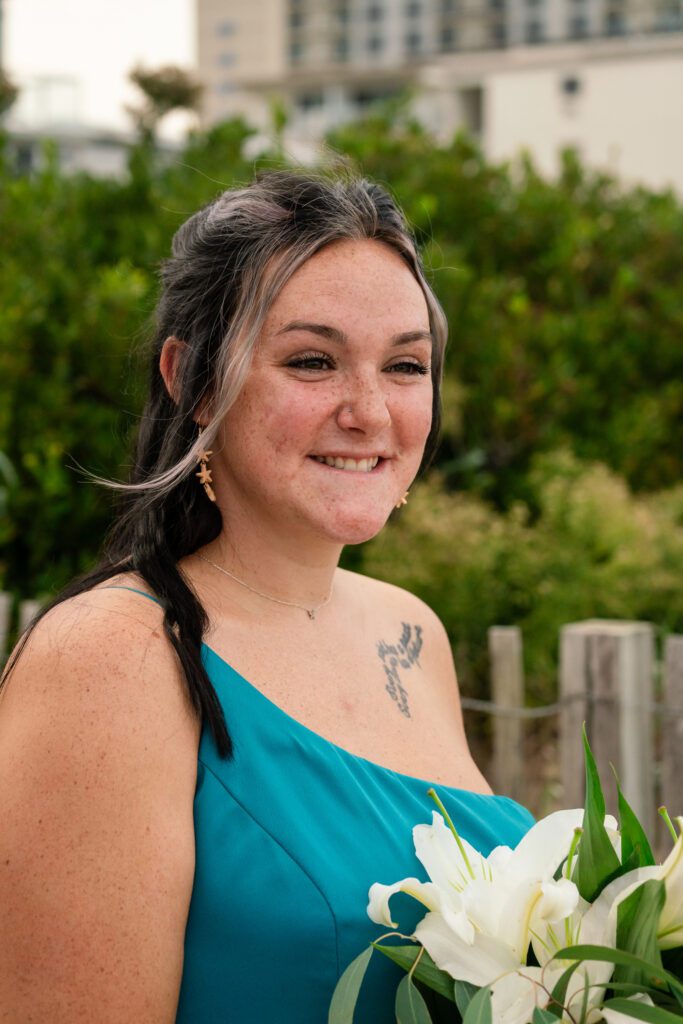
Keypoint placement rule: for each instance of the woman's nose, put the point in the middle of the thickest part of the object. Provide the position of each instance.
(363, 406)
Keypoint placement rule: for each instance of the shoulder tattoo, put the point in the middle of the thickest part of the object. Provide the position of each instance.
(399, 657)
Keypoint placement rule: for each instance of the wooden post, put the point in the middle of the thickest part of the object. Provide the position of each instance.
(574, 711)
(609, 668)
(507, 691)
(672, 727)
(5, 614)
(27, 610)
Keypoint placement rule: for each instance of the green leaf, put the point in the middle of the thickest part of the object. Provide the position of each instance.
(345, 995)
(596, 861)
(543, 1016)
(479, 1011)
(464, 992)
(640, 1011)
(659, 977)
(633, 838)
(637, 922)
(426, 971)
(559, 992)
(410, 1006)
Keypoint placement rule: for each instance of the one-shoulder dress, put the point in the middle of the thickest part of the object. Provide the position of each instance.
(290, 834)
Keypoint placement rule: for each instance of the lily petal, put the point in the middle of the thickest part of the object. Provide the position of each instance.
(543, 848)
(515, 996)
(480, 962)
(379, 896)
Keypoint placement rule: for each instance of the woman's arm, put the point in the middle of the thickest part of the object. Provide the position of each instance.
(98, 756)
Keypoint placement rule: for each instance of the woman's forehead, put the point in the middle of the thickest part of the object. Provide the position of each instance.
(350, 276)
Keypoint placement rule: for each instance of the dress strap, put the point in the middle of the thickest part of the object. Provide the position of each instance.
(115, 586)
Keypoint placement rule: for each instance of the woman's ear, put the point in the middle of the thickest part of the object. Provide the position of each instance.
(169, 364)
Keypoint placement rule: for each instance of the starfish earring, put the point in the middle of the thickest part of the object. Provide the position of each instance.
(204, 474)
(403, 501)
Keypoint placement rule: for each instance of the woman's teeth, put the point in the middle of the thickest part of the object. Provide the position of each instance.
(358, 465)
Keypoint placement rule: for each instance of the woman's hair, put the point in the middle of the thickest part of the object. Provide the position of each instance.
(228, 264)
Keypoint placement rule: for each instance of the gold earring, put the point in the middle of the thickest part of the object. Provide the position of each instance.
(403, 501)
(204, 474)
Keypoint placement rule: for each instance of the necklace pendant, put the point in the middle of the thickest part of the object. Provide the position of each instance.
(310, 612)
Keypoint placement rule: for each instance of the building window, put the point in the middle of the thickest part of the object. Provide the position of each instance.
(226, 28)
(341, 13)
(472, 106)
(533, 32)
(375, 12)
(340, 49)
(616, 24)
(448, 39)
(498, 34)
(227, 60)
(413, 9)
(296, 19)
(226, 88)
(375, 44)
(309, 101)
(413, 43)
(296, 52)
(448, 6)
(578, 27)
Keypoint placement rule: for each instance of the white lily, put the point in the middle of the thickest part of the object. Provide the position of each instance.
(482, 909)
(670, 932)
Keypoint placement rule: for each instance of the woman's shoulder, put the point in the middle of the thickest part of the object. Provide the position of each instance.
(104, 649)
(393, 600)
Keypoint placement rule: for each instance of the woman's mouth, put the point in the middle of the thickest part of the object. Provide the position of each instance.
(364, 465)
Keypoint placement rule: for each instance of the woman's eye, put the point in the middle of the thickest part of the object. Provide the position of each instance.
(314, 361)
(409, 367)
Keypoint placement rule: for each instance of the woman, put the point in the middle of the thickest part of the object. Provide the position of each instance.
(213, 743)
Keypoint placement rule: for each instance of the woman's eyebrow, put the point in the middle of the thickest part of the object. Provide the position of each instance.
(334, 334)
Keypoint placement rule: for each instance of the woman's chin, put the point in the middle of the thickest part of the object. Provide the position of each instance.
(358, 529)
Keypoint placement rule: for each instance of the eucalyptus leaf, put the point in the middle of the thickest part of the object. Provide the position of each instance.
(479, 1010)
(641, 1011)
(426, 971)
(345, 995)
(464, 992)
(559, 992)
(410, 1006)
(596, 861)
(543, 1016)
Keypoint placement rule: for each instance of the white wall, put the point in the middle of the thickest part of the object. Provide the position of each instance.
(627, 118)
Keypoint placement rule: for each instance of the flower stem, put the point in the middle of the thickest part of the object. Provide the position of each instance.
(669, 823)
(572, 850)
(433, 794)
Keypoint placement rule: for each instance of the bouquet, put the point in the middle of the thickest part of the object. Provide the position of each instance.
(577, 924)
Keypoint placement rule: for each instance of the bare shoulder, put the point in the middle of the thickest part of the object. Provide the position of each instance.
(385, 601)
(97, 776)
(106, 649)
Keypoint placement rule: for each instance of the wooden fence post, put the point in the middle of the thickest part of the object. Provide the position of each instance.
(672, 727)
(27, 609)
(507, 691)
(607, 674)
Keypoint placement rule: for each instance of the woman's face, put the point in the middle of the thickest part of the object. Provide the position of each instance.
(329, 429)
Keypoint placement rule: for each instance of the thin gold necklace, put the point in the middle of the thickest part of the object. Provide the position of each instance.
(311, 612)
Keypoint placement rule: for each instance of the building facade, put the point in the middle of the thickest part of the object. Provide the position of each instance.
(601, 75)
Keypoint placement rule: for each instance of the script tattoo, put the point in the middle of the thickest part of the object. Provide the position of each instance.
(404, 654)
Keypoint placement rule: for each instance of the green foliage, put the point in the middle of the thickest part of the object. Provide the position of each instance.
(583, 546)
(563, 389)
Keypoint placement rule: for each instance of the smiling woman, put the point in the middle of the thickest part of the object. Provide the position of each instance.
(191, 830)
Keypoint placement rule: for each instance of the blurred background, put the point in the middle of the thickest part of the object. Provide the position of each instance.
(537, 148)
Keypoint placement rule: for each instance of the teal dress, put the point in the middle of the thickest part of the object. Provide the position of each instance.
(290, 835)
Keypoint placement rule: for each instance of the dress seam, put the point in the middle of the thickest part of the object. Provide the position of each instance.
(287, 852)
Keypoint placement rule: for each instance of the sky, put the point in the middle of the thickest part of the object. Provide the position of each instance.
(87, 48)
